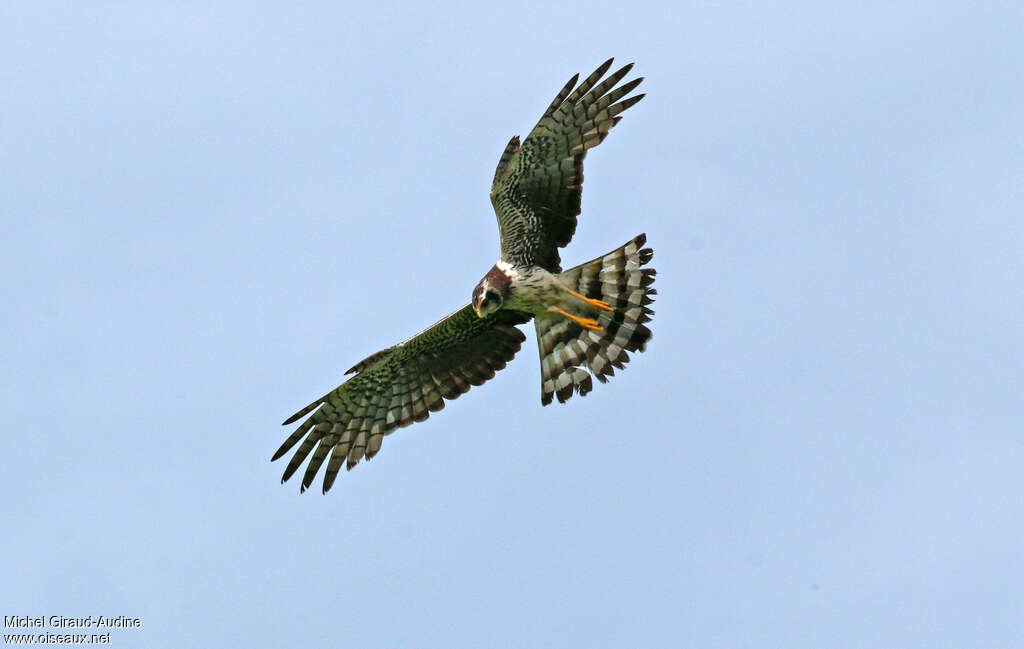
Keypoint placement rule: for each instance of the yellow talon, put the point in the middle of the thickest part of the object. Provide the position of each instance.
(599, 304)
(589, 323)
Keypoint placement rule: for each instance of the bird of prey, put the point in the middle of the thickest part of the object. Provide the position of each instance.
(587, 318)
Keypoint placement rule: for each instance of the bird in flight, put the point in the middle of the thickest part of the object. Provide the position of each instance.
(587, 318)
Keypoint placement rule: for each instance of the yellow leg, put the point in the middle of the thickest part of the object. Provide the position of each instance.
(600, 304)
(589, 323)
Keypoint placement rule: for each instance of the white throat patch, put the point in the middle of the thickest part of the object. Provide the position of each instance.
(508, 269)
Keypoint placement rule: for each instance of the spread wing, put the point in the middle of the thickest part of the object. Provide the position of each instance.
(536, 189)
(400, 385)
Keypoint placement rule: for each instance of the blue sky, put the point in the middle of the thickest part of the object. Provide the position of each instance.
(210, 212)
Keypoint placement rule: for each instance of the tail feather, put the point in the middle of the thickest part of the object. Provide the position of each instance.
(570, 354)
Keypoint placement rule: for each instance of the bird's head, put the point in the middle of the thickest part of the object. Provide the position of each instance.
(489, 295)
(486, 300)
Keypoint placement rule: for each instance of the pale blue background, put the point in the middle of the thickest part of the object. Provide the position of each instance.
(210, 212)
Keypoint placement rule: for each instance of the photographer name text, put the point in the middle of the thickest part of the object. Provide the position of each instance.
(61, 622)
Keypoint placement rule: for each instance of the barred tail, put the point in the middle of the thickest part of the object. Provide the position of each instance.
(569, 354)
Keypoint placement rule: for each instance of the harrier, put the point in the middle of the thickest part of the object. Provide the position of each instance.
(587, 318)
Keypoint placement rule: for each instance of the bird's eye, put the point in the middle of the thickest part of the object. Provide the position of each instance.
(491, 302)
